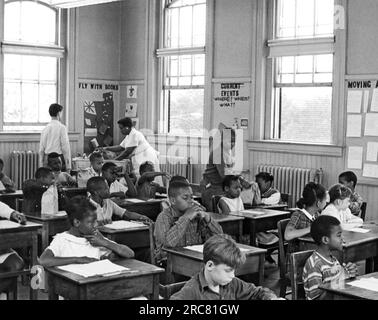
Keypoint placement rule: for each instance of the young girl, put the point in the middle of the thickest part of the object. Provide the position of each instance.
(339, 196)
(267, 195)
(231, 201)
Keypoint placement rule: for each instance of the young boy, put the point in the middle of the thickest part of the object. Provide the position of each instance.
(217, 281)
(6, 184)
(231, 201)
(97, 160)
(83, 243)
(106, 208)
(146, 187)
(322, 267)
(182, 223)
(349, 179)
(63, 179)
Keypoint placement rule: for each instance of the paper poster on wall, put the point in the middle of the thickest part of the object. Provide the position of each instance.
(354, 123)
(131, 110)
(131, 92)
(374, 101)
(370, 170)
(354, 101)
(371, 124)
(366, 100)
(372, 151)
(355, 157)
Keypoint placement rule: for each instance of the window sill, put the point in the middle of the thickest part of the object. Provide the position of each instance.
(30, 136)
(297, 148)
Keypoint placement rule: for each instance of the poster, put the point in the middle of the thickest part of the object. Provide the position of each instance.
(131, 110)
(98, 100)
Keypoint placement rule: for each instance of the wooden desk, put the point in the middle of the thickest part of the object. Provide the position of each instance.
(231, 225)
(11, 198)
(150, 208)
(357, 247)
(140, 237)
(188, 262)
(344, 291)
(25, 236)
(265, 221)
(279, 206)
(144, 281)
(51, 225)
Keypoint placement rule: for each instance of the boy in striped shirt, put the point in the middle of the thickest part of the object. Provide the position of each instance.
(322, 267)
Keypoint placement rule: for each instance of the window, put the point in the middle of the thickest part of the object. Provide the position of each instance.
(302, 54)
(183, 67)
(32, 55)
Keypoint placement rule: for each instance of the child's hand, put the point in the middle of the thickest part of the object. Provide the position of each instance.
(255, 187)
(145, 220)
(97, 240)
(205, 216)
(193, 212)
(18, 217)
(167, 175)
(351, 269)
(83, 260)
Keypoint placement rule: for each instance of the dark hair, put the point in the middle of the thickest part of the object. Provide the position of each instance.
(55, 109)
(1, 162)
(79, 207)
(266, 176)
(339, 192)
(322, 227)
(174, 187)
(52, 155)
(349, 176)
(221, 248)
(42, 172)
(126, 122)
(179, 178)
(92, 183)
(95, 155)
(108, 165)
(144, 166)
(312, 192)
(227, 180)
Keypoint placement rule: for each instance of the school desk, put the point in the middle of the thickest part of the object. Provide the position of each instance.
(344, 291)
(187, 262)
(142, 279)
(231, 225)
(258, 220)
(139, 237)
(357, 246)
(51, 225)
(279, 206)
(196, 197)
(150, 208)
(25, 236)
(11, 198)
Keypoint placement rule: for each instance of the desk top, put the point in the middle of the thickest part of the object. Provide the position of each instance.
(196, 196)
(29, 226)
(260, 213)
(225, 217)
(137, 268)
(106, 230)
(17, 193)
(125, 202)
(345, 289)
(266, 206)
(37, 216)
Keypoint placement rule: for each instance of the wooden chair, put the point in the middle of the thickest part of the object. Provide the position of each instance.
(13, 276)
(363, 210)
(297, 263)
(282, 249)
(214, 200)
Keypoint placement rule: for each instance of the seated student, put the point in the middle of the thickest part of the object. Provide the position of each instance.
(267, 195)
(182, 223)
(6, 184)
(10, 261)
(105, 207)
(322, 267)
(82, 243)
(63, 179)
(146, 187)
(231, 201)
(118, 190)
(97, 160)
(217, 281)
(338, 207)
(349, 179)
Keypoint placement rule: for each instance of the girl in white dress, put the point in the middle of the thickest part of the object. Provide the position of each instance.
(231, 201)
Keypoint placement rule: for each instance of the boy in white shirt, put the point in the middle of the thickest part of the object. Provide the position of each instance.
(97, 161)
(61, 178)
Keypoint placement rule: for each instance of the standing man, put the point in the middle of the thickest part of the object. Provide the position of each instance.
(54, 138)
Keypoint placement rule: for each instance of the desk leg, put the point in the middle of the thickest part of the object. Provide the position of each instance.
(240, 233)
(252, 233)
(261, 269)
(45, 236)
(169, 270)
(152, 246)
(33, 261)
(155, 287)
(51, 286)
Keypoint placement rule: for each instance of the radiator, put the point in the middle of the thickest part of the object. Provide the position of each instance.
(23, 165)
(176, 166)
(292, 180)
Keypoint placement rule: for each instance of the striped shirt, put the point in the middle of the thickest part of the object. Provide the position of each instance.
(319, 270)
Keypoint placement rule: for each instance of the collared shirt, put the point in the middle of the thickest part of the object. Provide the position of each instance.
(117, 186)
(355, 203)
(172, 229)
(85, 174)
(106, 212)
(271, 197)
(197, 288)
(54, 138)
(5, 211)
(346, 218)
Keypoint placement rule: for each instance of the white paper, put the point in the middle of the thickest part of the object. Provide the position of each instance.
(253, 212)
(97, 268)
(366, 101)
(199, 248)
(121, 224)
(354, 124)
(372, 151)
(354, 101)
(366, 283)
(370, 170)
(359, 230)
(374, 101)
(6, 224)
(88, 122)
(371, 124)
(90, 132)
(132, 200)
(355, 157)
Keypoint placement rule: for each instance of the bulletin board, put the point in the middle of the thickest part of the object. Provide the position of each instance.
(362, 129)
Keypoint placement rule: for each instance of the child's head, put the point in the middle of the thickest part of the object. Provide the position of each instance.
(179, 178)
(221, 257)
(180, 195)
(313, 195)
(327, 231)
(54, 161)
(1, 165)
(97, 186)
(55, 109)
(109, 171)
(231, 185)
(348, 179)
(339, 195)
(82, 215)
(97, 160)
(147, 166)
(264, 181)
(45, 176)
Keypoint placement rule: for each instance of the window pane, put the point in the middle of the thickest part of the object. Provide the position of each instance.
(185, 37)
(29, 102)
(305, 64)
(324, 17)
(12, 66)
(306, 114)
(305, 18)
(47, 68)
(30, 68)
(12, 102)
(199, 25)
(47, 95)
(324, 63)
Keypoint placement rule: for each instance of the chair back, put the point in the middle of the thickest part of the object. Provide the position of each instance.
(214, 201)
(282, 246)
(363, 210)
(297, 263)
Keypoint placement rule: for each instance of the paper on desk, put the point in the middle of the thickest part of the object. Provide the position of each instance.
(98, 268)
(354, 101)
(366, 283)
(360, 230)
(121, 224)
(253, 212)
(355, 157)
(199, 248)
(132, 200)
(6, 224)
(354, 125)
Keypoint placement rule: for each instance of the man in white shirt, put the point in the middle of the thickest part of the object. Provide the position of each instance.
(54, 138)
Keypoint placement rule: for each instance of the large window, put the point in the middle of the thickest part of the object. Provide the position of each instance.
(32, 54)
(302, 54)
(182, 57)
